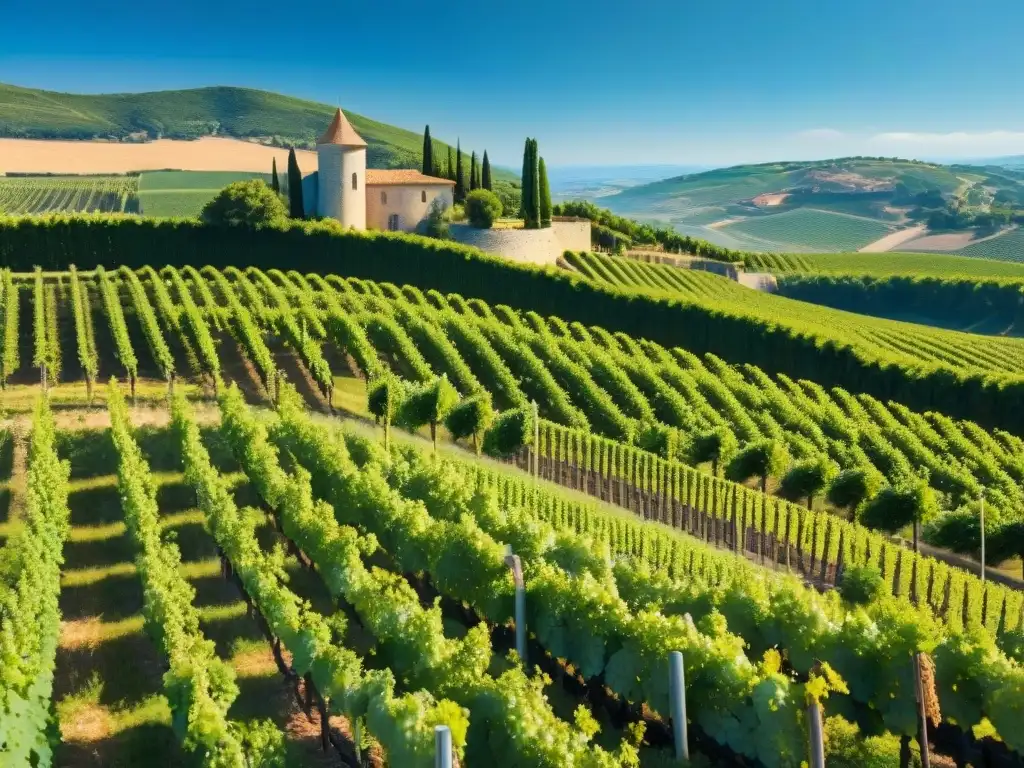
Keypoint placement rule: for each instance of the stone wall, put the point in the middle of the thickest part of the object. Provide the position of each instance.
(535, 246)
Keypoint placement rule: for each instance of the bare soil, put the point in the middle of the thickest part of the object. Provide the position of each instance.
(948, 241)
(206, 154)
(894, 239)
(770, 199)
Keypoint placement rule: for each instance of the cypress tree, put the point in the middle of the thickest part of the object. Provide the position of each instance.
(524, 206)
(531, 187)
(275, 183)
(545, 194)
(460, 178)
(472, 172)
(486, 172)
(428, 153)
(296, 209)
(450, 170)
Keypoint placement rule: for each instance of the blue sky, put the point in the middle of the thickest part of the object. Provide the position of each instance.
(647, 81)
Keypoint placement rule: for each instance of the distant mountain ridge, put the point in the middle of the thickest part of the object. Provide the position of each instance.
(242, 113)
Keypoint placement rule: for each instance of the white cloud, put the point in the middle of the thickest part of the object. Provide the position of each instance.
(959, 141)
(821, 134)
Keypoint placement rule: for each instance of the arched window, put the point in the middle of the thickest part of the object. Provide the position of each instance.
(355, 181)
(383, 198)
(423, 196)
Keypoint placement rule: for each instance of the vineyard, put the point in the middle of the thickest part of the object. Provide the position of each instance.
(914, 345)
(296, 591)
(1006, 247)
(938, 265)
(809, 229)
(69, 194)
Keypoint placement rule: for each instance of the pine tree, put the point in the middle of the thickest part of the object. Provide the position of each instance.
(428, 153)
(460, 178)
(296, 208)
(275, 183)
(486, 172)
(450, 170)
(545, 194)
(472, 172)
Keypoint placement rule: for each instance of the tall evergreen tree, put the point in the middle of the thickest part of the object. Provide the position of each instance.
(275, 183)
(545, 194)
(472, 172)
(460, 177)
(450, 170)
(524, 205)
(486, 181)
(531, 187)
(296, 209)
(428, 153)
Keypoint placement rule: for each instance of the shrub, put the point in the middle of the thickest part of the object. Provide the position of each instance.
(436, 224)
(510, 432)
(861, 584)
(482, 208)
(245, 203)
(659, 439)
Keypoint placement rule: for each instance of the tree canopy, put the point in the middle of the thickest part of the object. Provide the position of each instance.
(245, 203)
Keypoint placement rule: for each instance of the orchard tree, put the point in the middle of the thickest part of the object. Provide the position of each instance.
(471, 418)
(509, 433)
(428, 404)
(806, 479)
(716, 446)
(384, 398)
(763, 459)
(910, 502)
(851, 487)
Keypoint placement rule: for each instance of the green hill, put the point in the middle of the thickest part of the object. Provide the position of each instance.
(750, 207)
(242, 113)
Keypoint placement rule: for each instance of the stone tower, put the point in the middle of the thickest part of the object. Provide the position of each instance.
(341, 159)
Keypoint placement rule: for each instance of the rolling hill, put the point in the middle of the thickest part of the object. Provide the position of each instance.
(843, 204)
(242, 113)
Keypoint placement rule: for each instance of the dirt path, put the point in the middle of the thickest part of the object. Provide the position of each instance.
(890, 241)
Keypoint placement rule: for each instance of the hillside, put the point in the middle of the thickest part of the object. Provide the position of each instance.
(844, 204)
(242, 113)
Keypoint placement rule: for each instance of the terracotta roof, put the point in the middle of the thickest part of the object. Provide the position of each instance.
(377, 178)
(341, 132)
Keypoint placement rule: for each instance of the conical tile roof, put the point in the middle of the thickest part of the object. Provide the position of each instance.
(341, 133)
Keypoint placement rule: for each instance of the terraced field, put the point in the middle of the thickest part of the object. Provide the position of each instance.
(809, 229)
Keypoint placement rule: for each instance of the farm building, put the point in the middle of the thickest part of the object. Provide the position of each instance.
(343, 188)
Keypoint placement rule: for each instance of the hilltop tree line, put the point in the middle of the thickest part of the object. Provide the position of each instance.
(479, 172)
